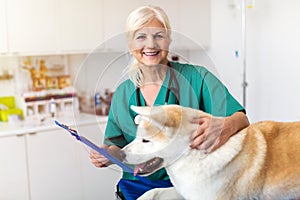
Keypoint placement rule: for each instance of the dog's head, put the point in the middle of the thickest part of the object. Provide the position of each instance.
(163, 135)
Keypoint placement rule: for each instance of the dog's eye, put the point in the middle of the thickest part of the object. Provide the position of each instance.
(145, 141)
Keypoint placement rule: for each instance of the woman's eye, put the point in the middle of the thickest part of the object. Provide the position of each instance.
(140, 37)
(158, 36)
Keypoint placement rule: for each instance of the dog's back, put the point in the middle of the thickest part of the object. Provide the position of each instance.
(282, 160)
(260, 162)
(268, 166)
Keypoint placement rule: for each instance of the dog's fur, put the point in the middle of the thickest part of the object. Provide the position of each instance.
(260, 162)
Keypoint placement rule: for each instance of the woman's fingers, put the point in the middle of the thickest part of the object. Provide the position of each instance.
(199, 135)
(98, 160)
(207, 136)
(197, 140)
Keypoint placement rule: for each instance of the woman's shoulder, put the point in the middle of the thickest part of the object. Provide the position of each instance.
(189, 69)
(125, 87)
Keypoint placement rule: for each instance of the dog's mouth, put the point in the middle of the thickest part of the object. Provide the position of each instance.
(148, 167)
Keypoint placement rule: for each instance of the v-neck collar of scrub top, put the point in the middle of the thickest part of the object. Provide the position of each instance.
(160, 98)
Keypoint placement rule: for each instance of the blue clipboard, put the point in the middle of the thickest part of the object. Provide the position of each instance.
(100, 150)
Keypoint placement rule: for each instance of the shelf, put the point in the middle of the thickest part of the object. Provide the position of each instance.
(48, 97)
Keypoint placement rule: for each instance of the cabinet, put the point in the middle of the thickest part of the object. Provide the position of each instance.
(50, 164)
(53, 166)
(13, 168)
(60, 168)
(48, 27)
(32, 26)
(3, 31)
(80, 25)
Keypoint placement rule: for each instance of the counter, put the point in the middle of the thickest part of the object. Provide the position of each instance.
(45, 124)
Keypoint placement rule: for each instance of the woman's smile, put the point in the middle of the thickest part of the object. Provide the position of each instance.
(151, 53)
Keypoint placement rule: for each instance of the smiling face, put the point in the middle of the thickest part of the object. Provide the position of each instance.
(150, 44)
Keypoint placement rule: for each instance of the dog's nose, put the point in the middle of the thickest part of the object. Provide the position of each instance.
(122, 155)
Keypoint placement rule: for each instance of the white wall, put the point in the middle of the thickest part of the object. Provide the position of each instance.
(273, 59)
(273, 50)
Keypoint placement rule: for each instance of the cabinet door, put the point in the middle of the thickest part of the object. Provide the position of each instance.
(3, 31)
(115, 14)
(32, 26)
(53, 166)
(80, 24)
(98, 183)
(13, 168)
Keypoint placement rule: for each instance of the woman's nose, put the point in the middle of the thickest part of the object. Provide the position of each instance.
(150, 42)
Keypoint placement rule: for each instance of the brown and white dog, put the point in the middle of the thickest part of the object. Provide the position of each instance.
(260, 162)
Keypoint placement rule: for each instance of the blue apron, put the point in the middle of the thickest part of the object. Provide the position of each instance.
(133, 189)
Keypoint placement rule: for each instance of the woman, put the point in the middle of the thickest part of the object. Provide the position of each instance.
(154, 80)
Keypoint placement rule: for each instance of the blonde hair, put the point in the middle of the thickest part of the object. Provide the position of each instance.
(136, 20)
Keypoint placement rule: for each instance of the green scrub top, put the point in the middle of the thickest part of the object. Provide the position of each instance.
(198, 89)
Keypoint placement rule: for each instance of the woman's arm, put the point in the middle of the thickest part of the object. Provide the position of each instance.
(213, 132)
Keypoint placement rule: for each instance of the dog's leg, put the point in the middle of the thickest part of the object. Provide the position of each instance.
(161, 194)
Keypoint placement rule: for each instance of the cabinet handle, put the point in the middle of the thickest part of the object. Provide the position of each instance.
(32, 133)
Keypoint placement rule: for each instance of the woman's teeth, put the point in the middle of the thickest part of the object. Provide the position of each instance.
(151, 53)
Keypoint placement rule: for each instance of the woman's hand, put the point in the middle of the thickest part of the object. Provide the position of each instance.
(208, 135)
(213, 132)
(101, 161)
(98, 159)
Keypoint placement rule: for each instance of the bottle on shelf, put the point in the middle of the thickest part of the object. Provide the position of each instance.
(52, 107)
(98, 106)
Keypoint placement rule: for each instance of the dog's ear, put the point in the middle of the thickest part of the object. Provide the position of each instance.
(159, 111)
(169, 115)
(143, 110)
(156, 113)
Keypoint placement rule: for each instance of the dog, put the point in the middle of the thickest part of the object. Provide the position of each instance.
(261, 161)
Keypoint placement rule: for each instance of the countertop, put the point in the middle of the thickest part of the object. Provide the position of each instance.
(47, 123)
